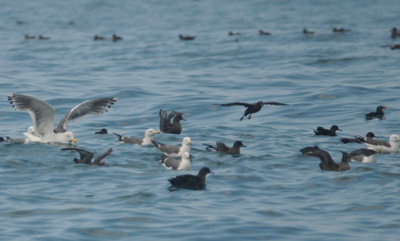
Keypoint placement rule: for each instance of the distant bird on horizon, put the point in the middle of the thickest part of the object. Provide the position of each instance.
(305, 31)
(86, 157)
(29, 37)
(340, 30)
(321, 131)
(102, 132)
(40, 37)
(98, 37)
(261, 32)
(181, 37)
(252, 108)
(230, 33)
(116, 38)
(327, 163)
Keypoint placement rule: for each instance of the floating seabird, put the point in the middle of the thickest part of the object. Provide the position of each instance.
(31, 130)
(382, 146)
(184, 164)
(1, 139)
(321, 131)
(252, 108)
(221, 147)
(116, 38)
(40, 37)
(305, 31)
(97, 37)
(172, 150)
(394, 46)
(29, 37)
(358, 139)
(376, 114)
(147, 140)
(165, 122)
(230, 33)
(42, 114)
(181, 37)
(102, 131)
(190, 181)
(86, 157)
(260, 32)
(361, 155)
(340, 30)
(394, 33)
(327, 163)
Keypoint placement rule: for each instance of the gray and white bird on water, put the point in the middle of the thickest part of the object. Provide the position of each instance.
(174, 164)
(147, 140)
(392, 146)
(252, 108)
(174, 150)
(42, 114)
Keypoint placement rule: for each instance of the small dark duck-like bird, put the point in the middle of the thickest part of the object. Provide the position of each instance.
(102, 131)
(340, 30)
(116, 38)
(165, 122)
(221, 147)
(394, 33)
(40, 37)
(252, 108)
(260, 32)
(321, 131)
(377, 114)
(181, 37)
(327, 163)
(29, 37)
(86, 157)
(190, 181)
(305, 31)
(230, 33)
(358, 139)
(97, 37)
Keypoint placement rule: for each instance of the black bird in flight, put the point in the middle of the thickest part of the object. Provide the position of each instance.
(252, 108)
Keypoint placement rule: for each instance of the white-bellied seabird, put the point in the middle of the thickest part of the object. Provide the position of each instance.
(361, 155)
(383, 146)
(182, 165)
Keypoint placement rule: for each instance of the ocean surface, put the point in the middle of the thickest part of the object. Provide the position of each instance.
(269, 192)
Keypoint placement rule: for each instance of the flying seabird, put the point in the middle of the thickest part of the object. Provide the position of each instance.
(340, 30)
(147, 140)
(181, 37)
(165, 122)
(305, 31)
(382, 146)
(221, 147)
(261, 32)
(252, 108)
(361, 155)
(190, 181)
(102, 131)
(184, 164)
(321, 131)
(172, 150)
(326, 164)
(394, 33)
(377, 114)
(86, 157)
(358, 139)
(42, 114)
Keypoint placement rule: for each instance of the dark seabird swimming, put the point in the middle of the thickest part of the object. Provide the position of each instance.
(147, 140)
(165, 122)
(116, 38)
(190, 181)
(102, 131)
(340, 30)
(394, 33)
(358, 139)
(181, 37)
(183, 164)
(260, 32)
(395, 46)
(305, 31)
(327, 163)
(361, 155)
(97, 37)
(40, 37)
(376, 114)
(252, 108)
(42, 114)
(174, 150)
(86, 157)
(29, 37)
(1, 139)
(230, 33)
(221, 147)
(321, 131)
(392, 146)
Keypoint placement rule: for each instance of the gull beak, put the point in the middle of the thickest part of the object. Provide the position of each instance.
(156, 132)
(189, 143)
(183, 119)
(74, 140)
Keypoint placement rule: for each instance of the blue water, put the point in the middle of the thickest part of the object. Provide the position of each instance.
(270, 192)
